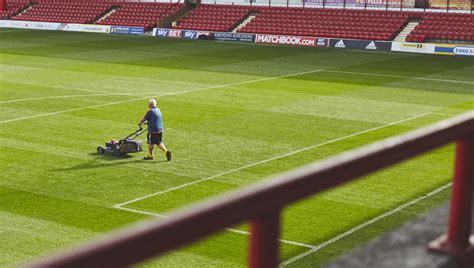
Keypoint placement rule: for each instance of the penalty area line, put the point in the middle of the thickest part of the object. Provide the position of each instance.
(365, 224)
(236, 231)
(312, 248)
(267, 160)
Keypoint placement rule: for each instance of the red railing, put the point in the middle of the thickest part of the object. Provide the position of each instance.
(263, 203)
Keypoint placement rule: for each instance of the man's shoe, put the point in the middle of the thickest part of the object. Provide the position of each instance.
(147, 158)
(168, 155)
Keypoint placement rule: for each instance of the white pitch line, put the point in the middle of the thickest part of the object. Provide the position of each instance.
(365, 224)
(163, 95)
(228, 229)
(265, 161)
(401, 76)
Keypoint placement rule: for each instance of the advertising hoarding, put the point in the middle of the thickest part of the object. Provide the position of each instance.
(127, 30)
(37, 25)
(285, 40)
(235, 37)
(361, 44)
(88, 28)
(413, 47)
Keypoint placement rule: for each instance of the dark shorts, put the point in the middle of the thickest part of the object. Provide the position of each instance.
(155, 138)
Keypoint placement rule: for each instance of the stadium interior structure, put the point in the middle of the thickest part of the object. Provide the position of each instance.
(418, 21)
(262, 206)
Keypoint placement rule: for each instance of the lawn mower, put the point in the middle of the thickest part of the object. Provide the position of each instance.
(123, 146)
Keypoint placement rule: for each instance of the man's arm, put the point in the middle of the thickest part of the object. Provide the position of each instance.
(144, 118)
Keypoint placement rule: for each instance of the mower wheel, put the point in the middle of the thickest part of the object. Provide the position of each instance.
(100, 150)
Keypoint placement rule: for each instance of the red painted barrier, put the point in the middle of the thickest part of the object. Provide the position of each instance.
(456, 241)
(264, 234)
(261, 204)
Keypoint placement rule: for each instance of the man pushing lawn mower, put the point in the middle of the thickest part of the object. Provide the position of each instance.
(155, 130)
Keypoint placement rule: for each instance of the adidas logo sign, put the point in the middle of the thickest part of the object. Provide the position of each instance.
(340, 44)
(371, 46)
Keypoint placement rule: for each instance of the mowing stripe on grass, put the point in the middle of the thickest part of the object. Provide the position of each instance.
(365, 224)
(10, 31)
(401, 76)
(227, 229)
(444, 114)
(228, 85)
(67, 111)
(77, 96)
(163, 95)
(266, 161)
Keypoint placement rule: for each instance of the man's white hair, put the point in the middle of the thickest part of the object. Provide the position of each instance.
(152, 102)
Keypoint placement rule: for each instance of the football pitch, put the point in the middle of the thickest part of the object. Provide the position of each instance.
(234, 114)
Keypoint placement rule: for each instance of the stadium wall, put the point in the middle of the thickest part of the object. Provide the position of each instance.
(271, 39)
(262, 39)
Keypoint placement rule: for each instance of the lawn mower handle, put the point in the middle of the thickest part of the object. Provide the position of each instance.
(140, 125)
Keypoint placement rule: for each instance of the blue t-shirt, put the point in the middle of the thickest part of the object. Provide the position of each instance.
(155, 122)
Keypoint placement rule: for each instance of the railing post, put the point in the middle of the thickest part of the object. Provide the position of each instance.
(459, 228)
(263, 241)
(456, 241)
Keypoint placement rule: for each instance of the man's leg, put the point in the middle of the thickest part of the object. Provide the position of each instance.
(167, 153)
(150, 148)
(162, 146)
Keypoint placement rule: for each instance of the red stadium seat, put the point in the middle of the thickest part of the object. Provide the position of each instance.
(13, 8)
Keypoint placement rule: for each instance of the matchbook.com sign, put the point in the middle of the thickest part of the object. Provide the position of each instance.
(285, 40)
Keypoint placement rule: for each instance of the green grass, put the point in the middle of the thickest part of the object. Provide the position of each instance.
(55, 192)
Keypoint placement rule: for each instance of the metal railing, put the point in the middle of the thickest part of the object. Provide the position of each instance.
(453, 6)
(262, 204)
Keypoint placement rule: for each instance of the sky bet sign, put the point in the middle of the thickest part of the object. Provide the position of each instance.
(161, 32)
(189, 34)
(172, 33)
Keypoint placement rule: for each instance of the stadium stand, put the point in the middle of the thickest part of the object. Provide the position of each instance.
(12, 9)
(321, 22)
(145, 15)
(214, 17)
(444, 26)
(368, 24)
(355, 24)
(60, 11)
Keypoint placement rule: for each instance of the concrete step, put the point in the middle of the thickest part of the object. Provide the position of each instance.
(246, 21)
(411, 25)
(108, 14)
(24, 10)
(403, 247)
